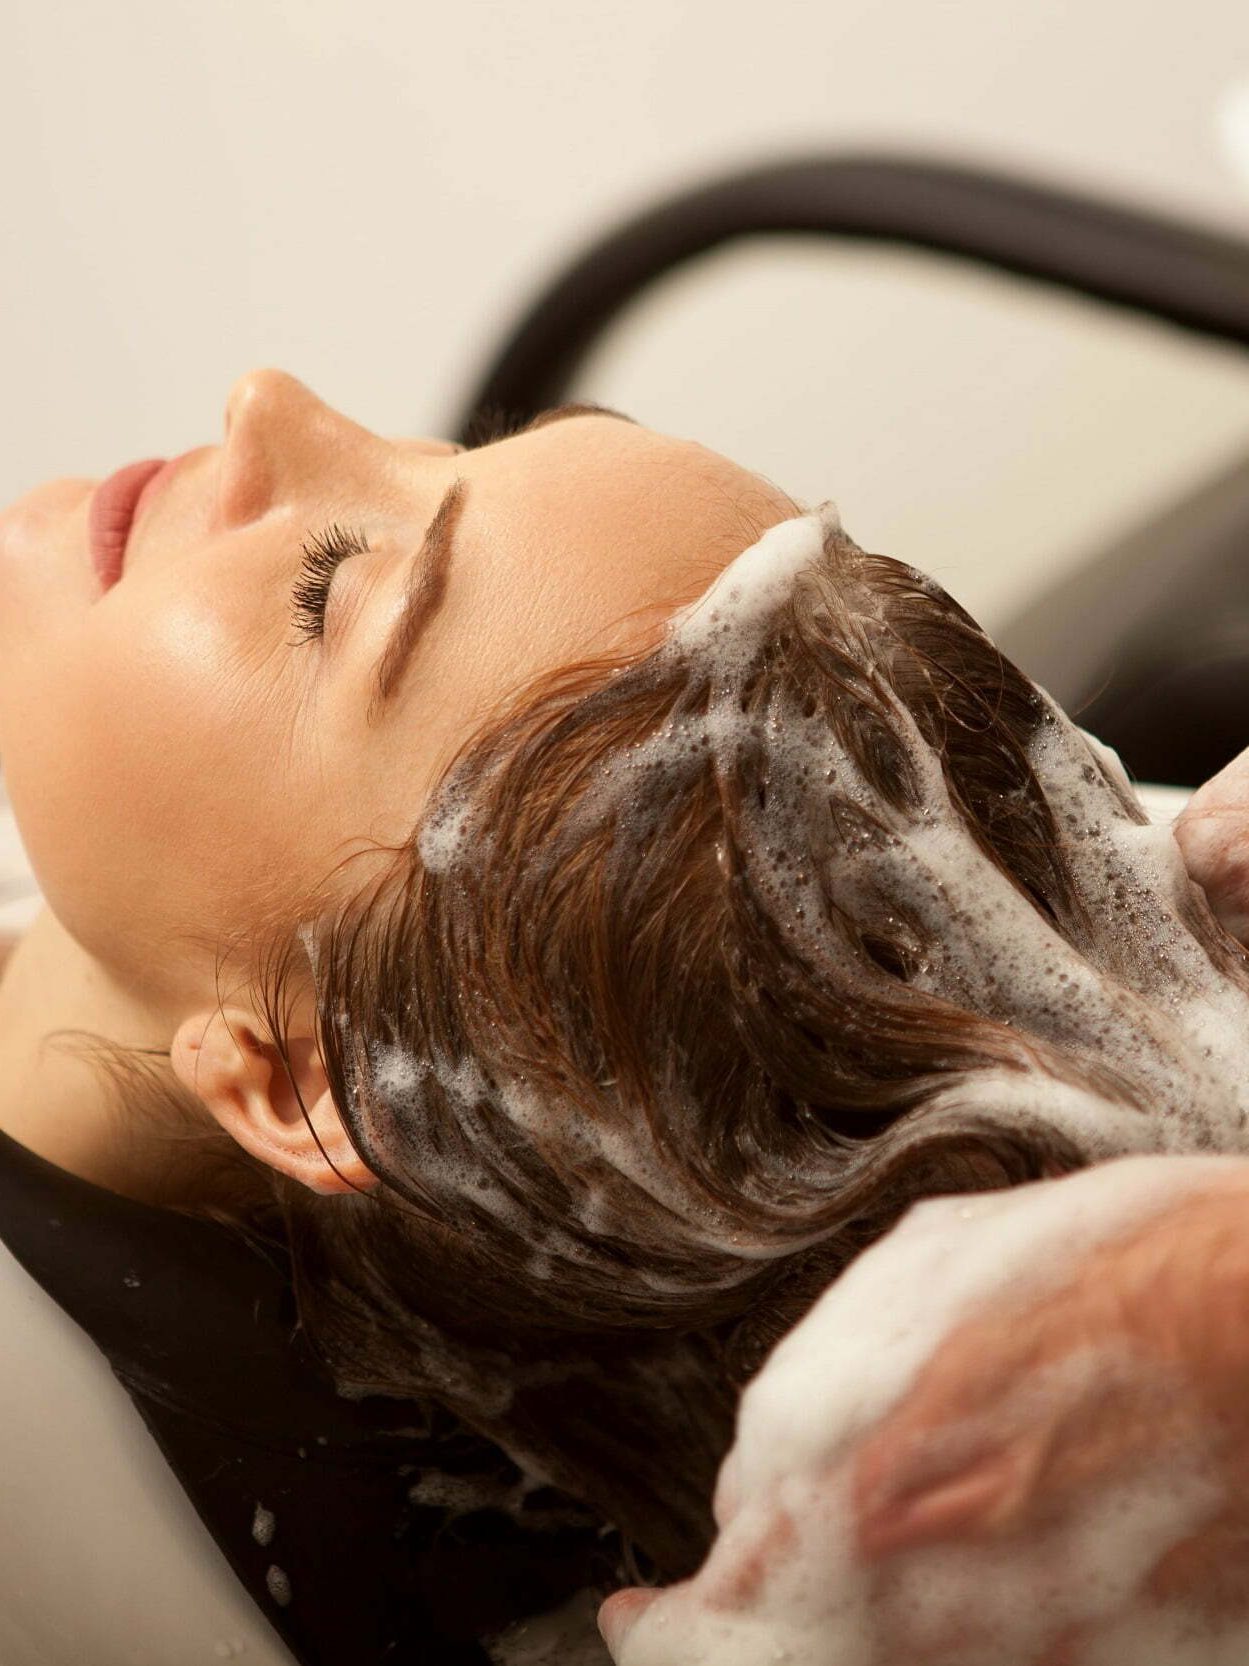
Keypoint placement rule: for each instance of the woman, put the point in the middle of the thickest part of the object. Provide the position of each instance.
(232, 541)
(571, 968)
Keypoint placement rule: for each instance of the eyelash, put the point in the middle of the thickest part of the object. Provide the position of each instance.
(322, 554)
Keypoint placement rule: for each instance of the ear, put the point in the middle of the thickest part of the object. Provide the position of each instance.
(221, 1058)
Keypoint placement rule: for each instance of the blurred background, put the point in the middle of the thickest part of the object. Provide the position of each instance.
(367, 194)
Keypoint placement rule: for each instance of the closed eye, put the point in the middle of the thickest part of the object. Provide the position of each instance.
(322, 554)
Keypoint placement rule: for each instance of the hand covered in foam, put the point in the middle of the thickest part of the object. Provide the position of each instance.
(1015, 1433)
(1213, 833)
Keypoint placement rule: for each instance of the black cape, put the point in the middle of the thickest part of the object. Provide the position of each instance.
(308, 1494)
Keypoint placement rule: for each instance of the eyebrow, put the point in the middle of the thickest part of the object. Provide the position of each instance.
(426, 585)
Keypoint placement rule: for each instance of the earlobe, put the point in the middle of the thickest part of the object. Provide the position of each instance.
(223, 1060)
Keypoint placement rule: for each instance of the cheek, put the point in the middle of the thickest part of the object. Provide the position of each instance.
(123, 776)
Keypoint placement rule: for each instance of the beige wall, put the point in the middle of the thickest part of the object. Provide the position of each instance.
(364, 193)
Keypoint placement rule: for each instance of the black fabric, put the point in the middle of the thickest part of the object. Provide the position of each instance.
(200, 1328)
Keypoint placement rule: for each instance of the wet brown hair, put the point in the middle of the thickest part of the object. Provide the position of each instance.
(627, 1128)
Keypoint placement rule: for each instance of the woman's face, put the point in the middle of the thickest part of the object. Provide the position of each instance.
(181, 763)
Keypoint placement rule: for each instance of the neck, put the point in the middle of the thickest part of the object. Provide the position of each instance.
(62, 1103)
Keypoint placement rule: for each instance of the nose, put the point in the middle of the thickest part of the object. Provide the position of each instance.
(281, 442)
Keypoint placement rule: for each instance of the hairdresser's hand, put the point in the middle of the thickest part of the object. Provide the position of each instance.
(1213, 834)
(1060, 1469)
(973, 1458)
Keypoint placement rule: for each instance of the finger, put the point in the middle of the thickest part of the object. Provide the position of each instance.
(617, 1616)
(1213, 836)
(727, 1495)
(981, 1495)
(1209, 1570)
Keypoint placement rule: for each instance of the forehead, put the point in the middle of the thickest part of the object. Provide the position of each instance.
(619, 495)
(575, 541)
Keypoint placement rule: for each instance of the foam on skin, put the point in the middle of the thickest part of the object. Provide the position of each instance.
(726, 620)
(784, 1580)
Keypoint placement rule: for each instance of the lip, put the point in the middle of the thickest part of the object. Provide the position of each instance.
(112, 513)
